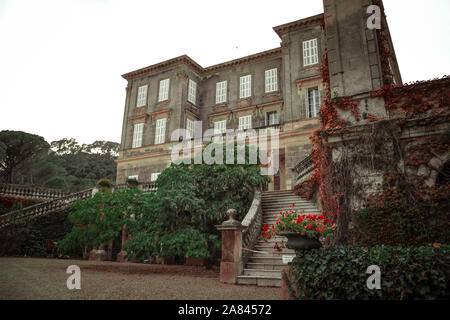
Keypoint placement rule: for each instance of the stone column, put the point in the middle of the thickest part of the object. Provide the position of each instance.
(285, 272)
(122, 253)
(231, 263)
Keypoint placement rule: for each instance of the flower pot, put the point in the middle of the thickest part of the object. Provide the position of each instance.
(298, 242)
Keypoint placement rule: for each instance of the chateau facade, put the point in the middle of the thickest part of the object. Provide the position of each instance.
(280, 88)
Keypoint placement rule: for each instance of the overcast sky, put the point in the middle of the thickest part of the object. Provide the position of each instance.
(61, 61)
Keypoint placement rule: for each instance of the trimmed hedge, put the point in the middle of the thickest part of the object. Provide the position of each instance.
(340, 273)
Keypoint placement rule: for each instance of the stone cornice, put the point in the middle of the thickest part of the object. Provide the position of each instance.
(299, 24)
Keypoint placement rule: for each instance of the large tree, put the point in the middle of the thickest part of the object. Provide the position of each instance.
(17, 148)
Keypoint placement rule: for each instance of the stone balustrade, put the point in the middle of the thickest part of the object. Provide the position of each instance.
(252, 223)
(44, 208)
(144, 186)
(31, 192)
(304, 169)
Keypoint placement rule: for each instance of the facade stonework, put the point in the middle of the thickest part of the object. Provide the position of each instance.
(296, 98)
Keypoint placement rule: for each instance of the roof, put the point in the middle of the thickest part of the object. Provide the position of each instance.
(186, 60)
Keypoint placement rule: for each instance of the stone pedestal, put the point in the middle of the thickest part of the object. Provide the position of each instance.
(125, 237)
(231, 262)
(285, 295)
(99, 254)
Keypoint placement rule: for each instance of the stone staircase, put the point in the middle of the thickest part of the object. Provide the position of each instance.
(264, 269)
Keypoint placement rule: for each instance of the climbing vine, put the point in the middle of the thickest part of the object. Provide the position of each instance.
(377, 161)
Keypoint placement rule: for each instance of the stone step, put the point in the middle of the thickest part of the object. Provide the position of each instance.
(274, 254)
(266, 259)
(273, 239)
(269, 248)
(277, 192)
(266, 266)
(285, 206)
(262, 273)
(275, 208)
(260, 280)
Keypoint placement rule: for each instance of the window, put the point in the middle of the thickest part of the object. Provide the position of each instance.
(142, 96)
(192, 91)
(272, 118)
(190, 127)
(160, 133)
(310, 55)
(137, 135)
(220, 127)
(245, 86)
(271, 80)
(245, 122)
(133, 177)
(221, 92)
(154, 176)
(313, 102)
(163, 90)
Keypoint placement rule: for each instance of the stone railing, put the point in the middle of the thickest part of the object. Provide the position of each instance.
(252, 223)
(44, 208)
(31, 192)
(304, 169)
(144, 186)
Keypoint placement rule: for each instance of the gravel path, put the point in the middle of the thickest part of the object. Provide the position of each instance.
(33, 278)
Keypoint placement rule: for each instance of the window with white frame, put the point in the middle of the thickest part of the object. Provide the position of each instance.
(137, 135)
(163, 90)
(220, 127)
(245, 122)
(221, 92)
(190, 127)
(160, 133)
(310, 55)
(271, 77)
(272, 118)
(245, 86)
(192, 91)
(313, 102)
(154, 176)
(142, 96)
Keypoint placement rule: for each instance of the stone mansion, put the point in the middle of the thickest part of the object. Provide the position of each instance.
(280, 88)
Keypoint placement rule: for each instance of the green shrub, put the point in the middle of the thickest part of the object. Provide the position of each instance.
(32, 238)
(340, 273)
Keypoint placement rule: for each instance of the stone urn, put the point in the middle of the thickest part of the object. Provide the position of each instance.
(298, 242)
